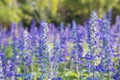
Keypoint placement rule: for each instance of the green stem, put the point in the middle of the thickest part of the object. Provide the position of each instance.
(101, 76)
(108, 75)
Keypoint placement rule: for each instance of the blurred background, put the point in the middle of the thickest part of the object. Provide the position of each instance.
(54, 11)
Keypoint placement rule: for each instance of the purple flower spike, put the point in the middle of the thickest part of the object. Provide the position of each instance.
(2, 76)
(93, 40)
(43, 51)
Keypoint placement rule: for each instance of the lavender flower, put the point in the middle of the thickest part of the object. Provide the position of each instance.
(77, 50)
(43, 52)
(34, 34)
(14, 38)
(106, 59)
(63, 46)
(93, 42)
(55, 58)
(24, 55)
(93, 50)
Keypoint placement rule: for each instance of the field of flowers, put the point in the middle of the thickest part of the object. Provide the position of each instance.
(72, 52)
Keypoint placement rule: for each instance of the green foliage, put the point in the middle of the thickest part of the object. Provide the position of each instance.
(81, 8)
(8, 52)
(9, 13)
(53, 10)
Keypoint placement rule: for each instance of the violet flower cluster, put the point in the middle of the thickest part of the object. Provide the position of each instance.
(65, 52)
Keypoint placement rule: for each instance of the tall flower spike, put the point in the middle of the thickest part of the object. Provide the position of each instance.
(14, 35)
(93, 42)
(106, 59)
(93, 35)
(14, 39)
(55, 57)
(24, 55)
(33, 33)
(74, 56)
(63, 46)
(77, 49)
(43, 51)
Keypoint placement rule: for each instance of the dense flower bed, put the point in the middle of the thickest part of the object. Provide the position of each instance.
(72, 52)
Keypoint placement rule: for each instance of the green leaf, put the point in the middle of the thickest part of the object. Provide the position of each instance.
(8, 52)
